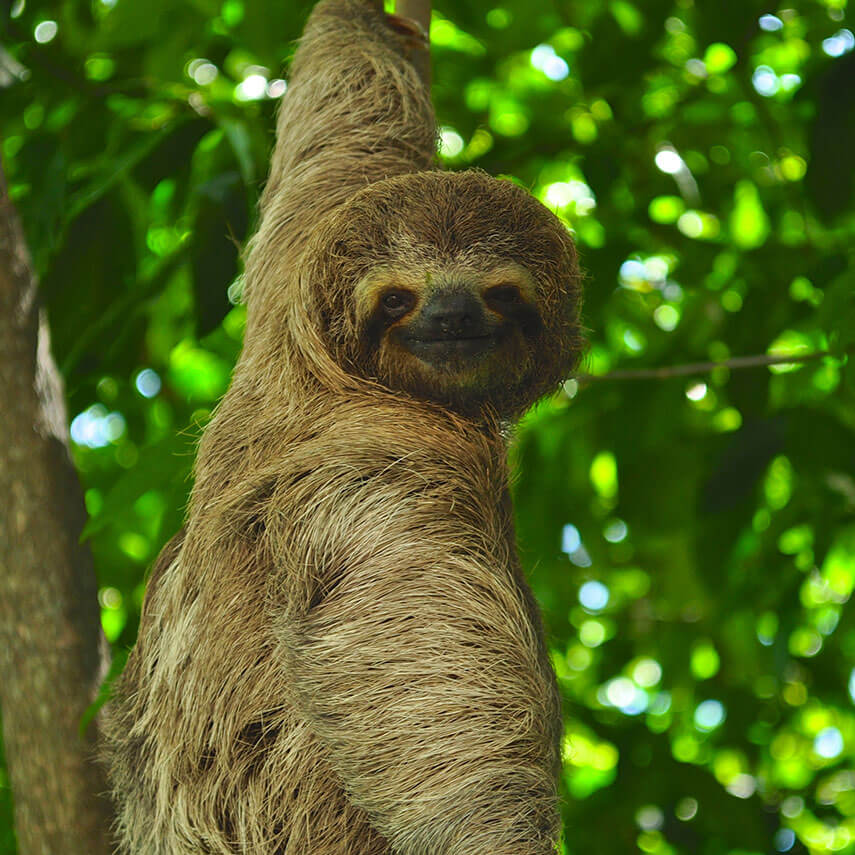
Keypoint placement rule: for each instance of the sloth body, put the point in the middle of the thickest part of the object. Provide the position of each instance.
(339, 654)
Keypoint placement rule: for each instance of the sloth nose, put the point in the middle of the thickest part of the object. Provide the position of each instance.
(455, 314)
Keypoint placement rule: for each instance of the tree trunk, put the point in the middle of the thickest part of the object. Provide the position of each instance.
(50, 638)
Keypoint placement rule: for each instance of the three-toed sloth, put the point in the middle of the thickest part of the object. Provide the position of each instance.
(339, 654)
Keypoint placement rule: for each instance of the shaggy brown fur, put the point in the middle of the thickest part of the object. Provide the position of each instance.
(339, 655)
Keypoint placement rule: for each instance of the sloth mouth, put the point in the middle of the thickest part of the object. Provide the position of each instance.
(446, 339)
(457, 345)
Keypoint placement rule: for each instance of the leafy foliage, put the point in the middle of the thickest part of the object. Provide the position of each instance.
(691, 538)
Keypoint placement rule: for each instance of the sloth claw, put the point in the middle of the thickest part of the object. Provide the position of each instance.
(411, 31)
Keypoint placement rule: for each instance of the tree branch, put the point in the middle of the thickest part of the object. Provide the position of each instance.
(418, 11)
(50, 635)
(737, 362)
(415, 10)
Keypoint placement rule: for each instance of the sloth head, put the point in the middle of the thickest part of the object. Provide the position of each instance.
(456, 288)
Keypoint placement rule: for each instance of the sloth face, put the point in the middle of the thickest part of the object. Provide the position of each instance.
(460, 336)
(456, 288)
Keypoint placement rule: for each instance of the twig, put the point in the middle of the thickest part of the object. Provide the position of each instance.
(705, 367)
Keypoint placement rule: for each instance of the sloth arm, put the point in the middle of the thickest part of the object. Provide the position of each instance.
(355, 112)
(413, 648)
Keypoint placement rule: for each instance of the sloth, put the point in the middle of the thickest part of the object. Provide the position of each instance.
(339, 653)
(440, 302)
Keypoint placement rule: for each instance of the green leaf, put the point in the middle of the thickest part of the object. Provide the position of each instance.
(719, 57)
(749, 224)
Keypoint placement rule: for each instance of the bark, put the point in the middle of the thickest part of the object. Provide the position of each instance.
(50, 638)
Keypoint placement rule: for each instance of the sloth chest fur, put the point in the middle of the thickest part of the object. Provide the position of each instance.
(271, 557)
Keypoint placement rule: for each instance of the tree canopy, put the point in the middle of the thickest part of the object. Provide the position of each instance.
(687, 521)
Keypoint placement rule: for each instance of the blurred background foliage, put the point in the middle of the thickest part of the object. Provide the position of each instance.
(690, 537)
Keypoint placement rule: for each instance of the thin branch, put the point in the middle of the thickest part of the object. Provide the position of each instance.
(737, 362)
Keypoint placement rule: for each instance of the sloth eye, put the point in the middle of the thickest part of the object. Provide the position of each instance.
(397, 303)
(504, 295)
